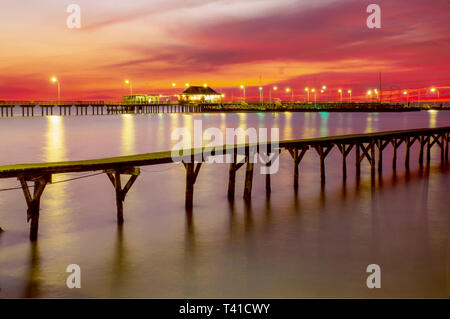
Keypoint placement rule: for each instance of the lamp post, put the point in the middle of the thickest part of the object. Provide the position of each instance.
(350, 93)
(243, 89)
(54, 79)
(261, 95)
(270, 94)
(315, 97)
(340, 93)
(433, 89)
(369, 94)
(292, 94)
(407, 96)
(131, 86)
(307, 92)
(324, 87)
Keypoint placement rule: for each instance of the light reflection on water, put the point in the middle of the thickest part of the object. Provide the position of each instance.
(313, 243)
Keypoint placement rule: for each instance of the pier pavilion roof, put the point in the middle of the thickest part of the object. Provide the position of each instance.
(199, 90)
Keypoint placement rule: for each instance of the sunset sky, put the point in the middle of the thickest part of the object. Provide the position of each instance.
(224, 43)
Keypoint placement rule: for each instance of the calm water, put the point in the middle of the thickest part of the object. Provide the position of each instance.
(316, 243)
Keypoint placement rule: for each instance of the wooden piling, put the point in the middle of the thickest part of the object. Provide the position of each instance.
(297, 155)
(248, 178)
(33, 202)
(192, 171)
(114, 177)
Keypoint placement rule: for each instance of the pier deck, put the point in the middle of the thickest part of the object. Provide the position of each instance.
(368, 146)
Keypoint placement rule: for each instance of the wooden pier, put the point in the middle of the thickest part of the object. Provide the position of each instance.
(366, 146)
(79, 109)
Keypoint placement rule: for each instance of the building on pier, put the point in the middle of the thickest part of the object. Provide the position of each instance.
(200, 94)
(145, 99)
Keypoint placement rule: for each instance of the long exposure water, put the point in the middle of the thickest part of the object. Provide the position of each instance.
(314, 243)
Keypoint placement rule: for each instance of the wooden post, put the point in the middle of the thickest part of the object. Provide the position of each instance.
(232, 176)
(429, 148)
(191, 177)
(407, 148)
(114, 177)
(33, 202)
(357, 159)
(442, 145)
(380, 155)
(422, 143)
(344, 151)
(372, 158)
(248, 177)
(297, 155)
(323, 151)
(446, 146)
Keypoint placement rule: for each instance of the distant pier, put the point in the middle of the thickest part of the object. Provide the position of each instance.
(27, 109)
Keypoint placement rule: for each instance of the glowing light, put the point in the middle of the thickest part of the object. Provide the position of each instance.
(405, 92)
(340, 90)
(275, 88)
(54, 79)
(369, 92)
(306, 89)
(313, 90)
(242, 87)
(260, 88)
(433, 90)
(187, 84)
(127, 81)
(288, 90)
(324, 87)
(174, 84)
(349, 91)
(205, 85)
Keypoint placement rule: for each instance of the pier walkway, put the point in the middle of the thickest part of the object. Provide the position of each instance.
(368, 146)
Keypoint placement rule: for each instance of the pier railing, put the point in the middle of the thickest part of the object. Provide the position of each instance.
(368, 146)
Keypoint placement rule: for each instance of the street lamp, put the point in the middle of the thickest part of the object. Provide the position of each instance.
(174, 84)
(205, 85)
(131, 86)
(433, 89)
(261, 95)
(292, 94)
(187, 85)
(315, 97)
(350, 93)
(243, 90)
(407, 96)
(369, 94)
(340, 93)
(307, 91)
(54, 79)
(270, 93)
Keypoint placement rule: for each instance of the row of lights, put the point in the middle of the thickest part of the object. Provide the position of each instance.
(54, 79)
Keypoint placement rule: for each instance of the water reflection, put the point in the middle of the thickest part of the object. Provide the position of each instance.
(128, 135)
(32, 287)
(55, 198)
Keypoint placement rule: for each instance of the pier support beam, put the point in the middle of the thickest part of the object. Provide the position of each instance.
(344, 151)
(297, 155)
(395, 145)
(248, 178)
(232, 178)
(33, 201)
(192, 170)
(381, 145)
(365, 154)
(323, 151)
(114, 177)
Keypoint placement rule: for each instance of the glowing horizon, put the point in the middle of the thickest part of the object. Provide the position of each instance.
(225, 44)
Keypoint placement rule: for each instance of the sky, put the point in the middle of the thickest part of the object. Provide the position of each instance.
(224, 43)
